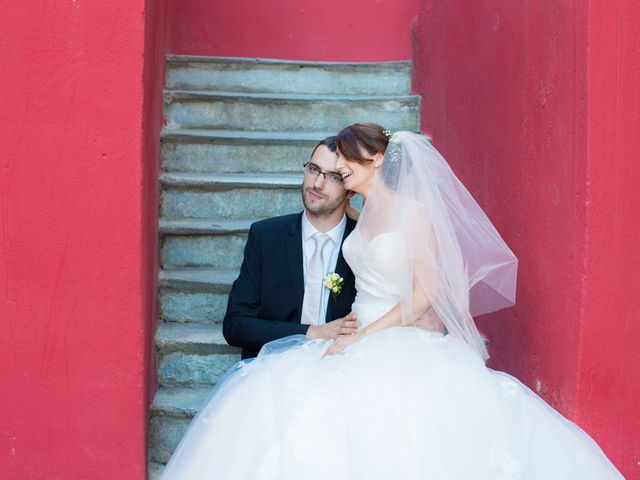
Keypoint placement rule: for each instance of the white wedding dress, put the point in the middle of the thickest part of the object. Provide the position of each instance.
(403, 403)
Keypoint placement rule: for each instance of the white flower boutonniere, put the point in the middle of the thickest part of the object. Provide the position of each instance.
(334, 282)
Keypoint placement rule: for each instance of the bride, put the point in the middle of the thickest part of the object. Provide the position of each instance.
(408, 396)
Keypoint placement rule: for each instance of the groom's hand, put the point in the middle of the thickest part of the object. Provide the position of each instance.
(341, 326)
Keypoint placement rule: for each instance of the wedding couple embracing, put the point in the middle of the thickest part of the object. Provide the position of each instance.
(361, 359)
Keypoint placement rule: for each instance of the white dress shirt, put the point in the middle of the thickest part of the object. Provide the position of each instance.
(329, 255)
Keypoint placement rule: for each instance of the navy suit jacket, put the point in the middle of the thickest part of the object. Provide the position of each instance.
(265, 302)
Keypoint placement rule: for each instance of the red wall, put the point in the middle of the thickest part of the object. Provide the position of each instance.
(333, 30)
(155, 49)
(543, 130)
(80, 111)
(609, 374)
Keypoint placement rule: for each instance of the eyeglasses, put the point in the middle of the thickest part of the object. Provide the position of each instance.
(313, 170)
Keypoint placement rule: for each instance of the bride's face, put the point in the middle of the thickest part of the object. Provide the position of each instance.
(358, 175)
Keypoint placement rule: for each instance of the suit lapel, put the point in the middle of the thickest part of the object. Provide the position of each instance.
(294, 257)
(342, 269)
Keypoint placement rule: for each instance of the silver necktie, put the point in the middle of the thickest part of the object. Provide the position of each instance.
(313, 286)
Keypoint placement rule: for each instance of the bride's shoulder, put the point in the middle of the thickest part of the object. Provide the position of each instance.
(416, 211)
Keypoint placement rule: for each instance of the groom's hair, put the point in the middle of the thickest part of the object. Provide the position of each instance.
(330, 142)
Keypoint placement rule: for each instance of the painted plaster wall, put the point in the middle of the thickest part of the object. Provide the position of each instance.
(357, 30)
(77, 241)
(535, 104)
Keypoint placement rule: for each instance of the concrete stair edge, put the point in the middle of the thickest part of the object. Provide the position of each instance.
(170, 95)
(174, 59)
(216, 181)
(247, 136)
(179, 401)
(212, 279)
(203, 226)
(197, 337)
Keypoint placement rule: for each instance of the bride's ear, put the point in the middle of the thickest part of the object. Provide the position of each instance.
(378, 158)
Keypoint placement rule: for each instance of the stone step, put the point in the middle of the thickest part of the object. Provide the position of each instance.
(229, 195)
(192, 354)
(194, 242)
(171, 413)
(180, 402)
(203, 226)
(198, 279)
(281, 76)
(230, 181)
(293, 112)
(196, 338)
(192, 306)
(226, 151)
(194, 294)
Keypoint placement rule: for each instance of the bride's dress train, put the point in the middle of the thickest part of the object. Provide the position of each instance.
(403, 403)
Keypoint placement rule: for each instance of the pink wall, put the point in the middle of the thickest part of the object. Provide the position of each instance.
(542, 131)
(609, 374)
(77, 236)
(155, 49)
(334, 30)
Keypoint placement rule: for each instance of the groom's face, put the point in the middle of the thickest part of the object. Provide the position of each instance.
(320, 195)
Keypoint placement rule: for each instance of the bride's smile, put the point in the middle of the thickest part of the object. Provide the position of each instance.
(357, 165)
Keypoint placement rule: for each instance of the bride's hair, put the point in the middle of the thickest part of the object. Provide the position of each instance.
(373, 138)
(369, 136)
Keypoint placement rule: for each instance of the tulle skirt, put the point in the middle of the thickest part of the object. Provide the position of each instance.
(402, 403)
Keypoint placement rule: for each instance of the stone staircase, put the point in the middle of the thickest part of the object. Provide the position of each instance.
(237, 132)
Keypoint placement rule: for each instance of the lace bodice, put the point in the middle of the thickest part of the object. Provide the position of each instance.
(380, 271)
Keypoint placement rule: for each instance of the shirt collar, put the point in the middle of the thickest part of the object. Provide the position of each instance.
(335, 234)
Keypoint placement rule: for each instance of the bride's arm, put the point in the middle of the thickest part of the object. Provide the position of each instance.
(424, 284)
(393, 318)
(424, 288)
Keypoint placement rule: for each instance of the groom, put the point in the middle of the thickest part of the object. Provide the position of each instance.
(280, 291)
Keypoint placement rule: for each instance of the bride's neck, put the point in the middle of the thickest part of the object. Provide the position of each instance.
(365, 191)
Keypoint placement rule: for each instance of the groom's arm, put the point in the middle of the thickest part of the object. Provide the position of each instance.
(242, 327)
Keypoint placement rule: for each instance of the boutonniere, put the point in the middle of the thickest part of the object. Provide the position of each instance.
(334, 282)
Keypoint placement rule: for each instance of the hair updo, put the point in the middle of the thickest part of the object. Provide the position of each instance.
(373, 139)
(370, 137)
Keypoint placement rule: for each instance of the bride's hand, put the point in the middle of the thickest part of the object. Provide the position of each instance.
(341, 343)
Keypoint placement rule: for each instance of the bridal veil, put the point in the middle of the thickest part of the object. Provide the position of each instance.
(455, 264)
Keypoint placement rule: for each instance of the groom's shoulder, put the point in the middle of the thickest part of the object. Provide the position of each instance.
(275, 224)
